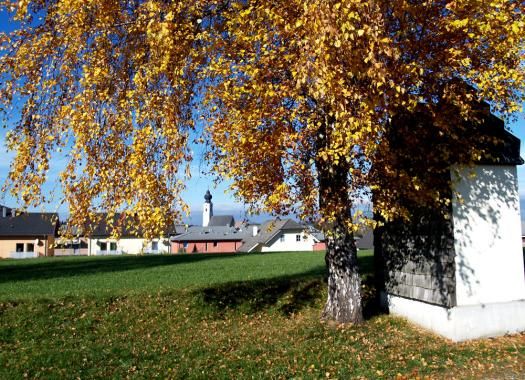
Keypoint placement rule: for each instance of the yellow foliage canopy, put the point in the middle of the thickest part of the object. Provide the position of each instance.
(294, 97)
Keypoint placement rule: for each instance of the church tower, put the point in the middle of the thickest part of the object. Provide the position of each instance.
(207, 209)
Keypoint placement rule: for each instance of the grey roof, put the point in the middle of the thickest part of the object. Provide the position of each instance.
(365, 240)
(29, 224)
(490, 133)
(318, 235)
(269, 230)
(290, 224)
(505, 150)
(249, 244)
(127, 225)
(179, 229)
(124, 223)
(212, 233)
(222, 220)
(315, 232)
(73, 230)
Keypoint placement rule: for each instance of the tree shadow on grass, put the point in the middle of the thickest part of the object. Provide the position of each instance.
(49, 268)
(285, 294)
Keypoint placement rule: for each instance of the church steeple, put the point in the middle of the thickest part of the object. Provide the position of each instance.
(208, 196)
(207, 209)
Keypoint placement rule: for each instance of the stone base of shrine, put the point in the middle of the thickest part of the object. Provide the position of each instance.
(462, 323)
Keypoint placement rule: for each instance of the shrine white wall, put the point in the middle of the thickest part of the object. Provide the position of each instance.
(487, 235)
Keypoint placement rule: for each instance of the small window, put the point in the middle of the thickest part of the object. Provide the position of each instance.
(20, 247)
(185, 244)
(154, 245)
(30, 247)
(104, 246)
(282, 238)
(215, 243)
(112, 246)
(297, 237)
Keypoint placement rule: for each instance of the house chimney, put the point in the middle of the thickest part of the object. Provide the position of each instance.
(4, 212)
(255, 230)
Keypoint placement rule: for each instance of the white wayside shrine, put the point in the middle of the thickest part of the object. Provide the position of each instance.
(463, 276)
(207, 209)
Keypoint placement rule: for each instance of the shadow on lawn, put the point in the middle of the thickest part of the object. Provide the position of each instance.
(286, 294)
(78, 266)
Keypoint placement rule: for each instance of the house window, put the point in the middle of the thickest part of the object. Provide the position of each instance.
(185, 244)
(215, 243)
(154, 245)
(112, 246)
(104, 246)
(297, 237)
(282, 238)
(30, 247)
(20, 247)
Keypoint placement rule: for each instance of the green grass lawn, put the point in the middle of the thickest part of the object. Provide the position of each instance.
(213, 316)
(127, 275)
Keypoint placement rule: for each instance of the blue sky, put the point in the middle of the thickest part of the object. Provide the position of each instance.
(199, 183)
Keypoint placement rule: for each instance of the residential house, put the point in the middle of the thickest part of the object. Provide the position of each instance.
(131, 241)
(283, 235)
(27, 234)
(76, 246)
(211, 239)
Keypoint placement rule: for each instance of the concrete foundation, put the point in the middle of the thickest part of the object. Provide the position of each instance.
(462, 323)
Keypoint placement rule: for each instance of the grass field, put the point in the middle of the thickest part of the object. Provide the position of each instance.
(214, 316)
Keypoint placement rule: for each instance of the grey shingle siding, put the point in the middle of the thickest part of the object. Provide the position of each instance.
(418, 258)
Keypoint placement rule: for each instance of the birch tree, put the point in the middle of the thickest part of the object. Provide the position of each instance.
(291, 98)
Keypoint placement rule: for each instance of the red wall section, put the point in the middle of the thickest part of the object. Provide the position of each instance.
(206, 247)
(321, 246)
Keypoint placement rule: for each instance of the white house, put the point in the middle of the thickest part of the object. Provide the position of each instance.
(130, 242)
(282, 236)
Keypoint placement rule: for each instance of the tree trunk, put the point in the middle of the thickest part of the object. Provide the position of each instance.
(344, 284)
